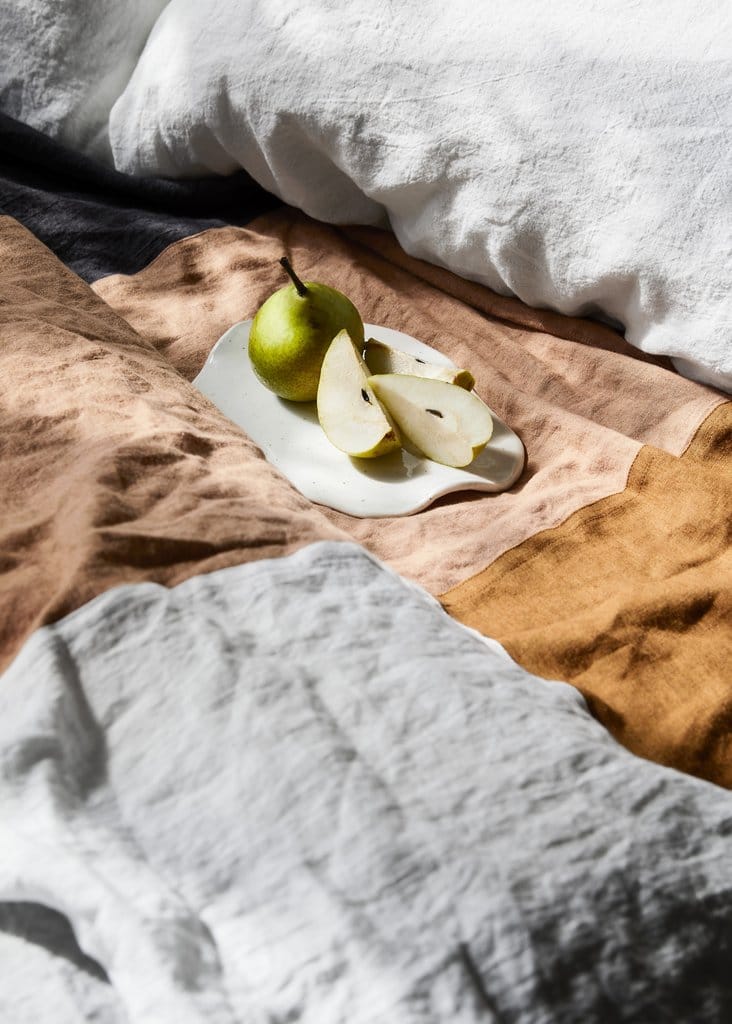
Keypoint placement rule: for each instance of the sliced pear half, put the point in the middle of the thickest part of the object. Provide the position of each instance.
(349, 412)
(445, 422)
(381, 358)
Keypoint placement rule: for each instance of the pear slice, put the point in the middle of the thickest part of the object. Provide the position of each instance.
(445, 422)
(381, 358)
(349, 412)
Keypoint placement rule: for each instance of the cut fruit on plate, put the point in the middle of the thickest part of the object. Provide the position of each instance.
(348, 410)
(295, 444)
(381, 358)
(443, 421)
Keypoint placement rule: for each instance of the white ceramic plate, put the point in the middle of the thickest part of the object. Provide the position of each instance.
(292, 440)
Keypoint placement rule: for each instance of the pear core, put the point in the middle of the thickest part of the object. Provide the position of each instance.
(290, 335)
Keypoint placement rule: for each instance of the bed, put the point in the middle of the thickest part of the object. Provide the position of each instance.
(265, 760)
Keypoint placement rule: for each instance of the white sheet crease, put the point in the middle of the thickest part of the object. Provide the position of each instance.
(297, 790)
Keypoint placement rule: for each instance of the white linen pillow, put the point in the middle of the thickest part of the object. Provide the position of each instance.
(573, 155)
(63, 63)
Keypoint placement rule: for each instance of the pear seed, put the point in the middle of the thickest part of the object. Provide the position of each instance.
(434, 412)
(365, 396)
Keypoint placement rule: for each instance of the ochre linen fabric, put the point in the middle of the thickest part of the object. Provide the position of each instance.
(582, 405)
(630, 600)
(113, 469)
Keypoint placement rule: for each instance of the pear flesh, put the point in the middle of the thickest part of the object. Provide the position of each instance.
(443, 421)
(349, 412)
(381, 358)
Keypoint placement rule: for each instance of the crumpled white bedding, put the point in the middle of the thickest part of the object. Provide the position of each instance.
(63, 63)
(297, 790)
(576, 156)
(45, 977)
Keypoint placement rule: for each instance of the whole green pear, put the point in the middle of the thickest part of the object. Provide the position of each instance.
(292, 331)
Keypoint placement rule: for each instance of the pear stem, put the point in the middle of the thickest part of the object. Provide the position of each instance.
(300, 287)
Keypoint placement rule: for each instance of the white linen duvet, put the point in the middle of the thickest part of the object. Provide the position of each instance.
(575, 155)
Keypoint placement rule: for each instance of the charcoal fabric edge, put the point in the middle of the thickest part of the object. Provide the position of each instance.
(99, 221)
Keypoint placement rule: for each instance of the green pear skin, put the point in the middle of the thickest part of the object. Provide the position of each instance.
(291, 333)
